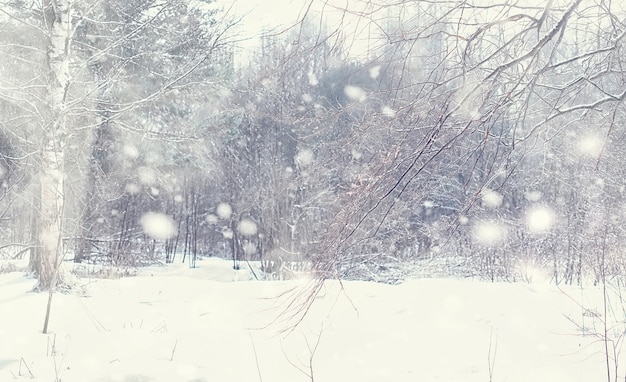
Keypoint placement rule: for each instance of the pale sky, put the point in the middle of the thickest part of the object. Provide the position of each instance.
(276, 15)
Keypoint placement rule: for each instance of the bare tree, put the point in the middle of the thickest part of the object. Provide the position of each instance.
(480, 87)
(96, 70)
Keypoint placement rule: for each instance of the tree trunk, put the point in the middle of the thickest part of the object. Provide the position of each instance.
(58, 19)
(51, 214)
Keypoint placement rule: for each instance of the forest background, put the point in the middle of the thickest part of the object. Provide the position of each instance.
(479, 139)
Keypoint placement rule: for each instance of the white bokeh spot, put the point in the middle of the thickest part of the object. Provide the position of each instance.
(492, 198)
(158, 226)
(388, 112)
(533, 196)
(212, 219)
(374, 72)
(249, 249)
(539, 219)
(304, 157)
(489, 232)
(146, 175)
(355, 93)
(227, 233)
(224, 211)
(247, 227)
(313, 81)
(130, 151)
(132, 188)
(590, 145)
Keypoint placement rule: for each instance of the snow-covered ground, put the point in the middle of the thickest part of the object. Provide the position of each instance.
(178, 324)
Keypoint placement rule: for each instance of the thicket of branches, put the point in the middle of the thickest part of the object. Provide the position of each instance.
(479, 139)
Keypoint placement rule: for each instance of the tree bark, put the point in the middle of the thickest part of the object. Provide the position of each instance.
(58, 20)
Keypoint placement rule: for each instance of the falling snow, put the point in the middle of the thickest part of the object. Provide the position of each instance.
(48, 239)
(249, 248)
(313, 79)
(365, 163)
(533, 196)
(374, 72)
(428, 204)
(491, 198)
(227, 233)
(130, 151)
(132, 188)
(146, 175)
(539, 219)
(247, 227)
(388, 112)
(355, 93)
(158, 226)
(212, 219)
(224, 211)
(489, 232)
(590, 145)
(304, 157)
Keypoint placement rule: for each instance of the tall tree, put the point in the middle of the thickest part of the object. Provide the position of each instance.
(100, 71)
(60, 25)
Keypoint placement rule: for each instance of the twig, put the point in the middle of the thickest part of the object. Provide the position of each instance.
(297, 367)
(51, 349)
(605, 309)
(19, 372)
(256, 358)
(312, 351)
(174, 350)
(491, 356)
(345, 293)
(98, 325)
(252, 270)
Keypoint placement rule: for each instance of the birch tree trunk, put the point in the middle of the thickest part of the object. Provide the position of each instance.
(58, 20)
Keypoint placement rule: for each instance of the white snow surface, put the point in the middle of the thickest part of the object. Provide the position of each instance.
(173, 323)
